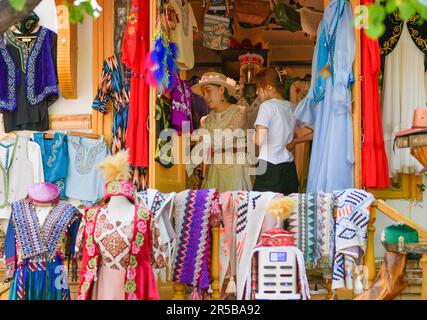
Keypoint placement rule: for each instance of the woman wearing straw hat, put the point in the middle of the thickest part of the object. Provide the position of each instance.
(223, 172)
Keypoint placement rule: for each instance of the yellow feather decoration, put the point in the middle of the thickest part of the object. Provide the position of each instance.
(115, 167)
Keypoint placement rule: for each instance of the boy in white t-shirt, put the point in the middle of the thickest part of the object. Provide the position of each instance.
(275, 128)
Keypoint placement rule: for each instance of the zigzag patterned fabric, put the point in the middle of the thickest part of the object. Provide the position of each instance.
(313, 225)
(350, 236)
(193, 212)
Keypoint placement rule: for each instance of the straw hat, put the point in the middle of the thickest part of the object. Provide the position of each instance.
(419, 123)
(217, 79)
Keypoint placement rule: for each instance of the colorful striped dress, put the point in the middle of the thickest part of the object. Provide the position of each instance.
(35, 253)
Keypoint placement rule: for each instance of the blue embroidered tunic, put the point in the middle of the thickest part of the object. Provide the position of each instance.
(84, 181)
(55, 158)
(28, 80)
(327, 107)
(34, 253)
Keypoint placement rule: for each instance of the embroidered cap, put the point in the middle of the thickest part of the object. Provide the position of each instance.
(119, 188)
(43, 192)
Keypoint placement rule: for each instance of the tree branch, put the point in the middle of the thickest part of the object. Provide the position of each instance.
(9, 16)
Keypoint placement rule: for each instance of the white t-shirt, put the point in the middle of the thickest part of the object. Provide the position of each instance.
(277, 116)
(183, 34)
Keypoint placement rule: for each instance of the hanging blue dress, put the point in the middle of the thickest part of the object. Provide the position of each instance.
(327, 107)
(34, 253)
(55, 159)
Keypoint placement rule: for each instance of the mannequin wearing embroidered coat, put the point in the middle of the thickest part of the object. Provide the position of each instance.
(34, 251)
(134, 241)
(117, 241)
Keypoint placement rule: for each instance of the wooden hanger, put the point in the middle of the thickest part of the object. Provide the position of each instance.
(49, 135)
(7, 135)
(84, 134)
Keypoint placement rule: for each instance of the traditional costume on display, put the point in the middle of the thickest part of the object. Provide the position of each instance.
(375, 172)
(35, 252)
(28, 79)
(113, 86)
(84, 182)
(404, 47)
(117, 258)
(136, 45)
(55, 158)
(327, 108)
(20, 167)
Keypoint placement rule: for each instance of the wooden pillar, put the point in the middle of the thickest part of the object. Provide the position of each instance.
(357, 107)
(424, 285)
(369, 260)
(216, 290)
(179, 291)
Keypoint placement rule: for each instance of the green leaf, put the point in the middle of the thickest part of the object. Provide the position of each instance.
(375, 30)
(391, 6)
(76, 15)
(406, 10)
(18, 5)
(87, 7)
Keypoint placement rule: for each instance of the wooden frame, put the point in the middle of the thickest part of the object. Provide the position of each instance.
(408, 189)
(102, 47)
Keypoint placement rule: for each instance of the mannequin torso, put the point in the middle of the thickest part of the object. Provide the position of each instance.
(120, 209)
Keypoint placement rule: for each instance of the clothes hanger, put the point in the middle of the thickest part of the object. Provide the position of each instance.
(7, 135)
(84, 134)
(49, 136)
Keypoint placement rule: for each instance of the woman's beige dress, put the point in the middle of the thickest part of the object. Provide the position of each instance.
(224, 176)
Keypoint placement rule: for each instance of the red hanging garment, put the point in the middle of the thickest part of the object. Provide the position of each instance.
(136, 44)
(375, 172)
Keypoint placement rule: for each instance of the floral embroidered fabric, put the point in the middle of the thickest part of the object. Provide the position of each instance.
(114, 240)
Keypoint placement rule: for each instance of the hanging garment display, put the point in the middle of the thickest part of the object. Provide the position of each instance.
(327, 108)
(117, 258)
(247, 221)
(28, 81)
(21, 165)
(112, 86)
(161, 205)
(55, 159)
(403, 92)
(136, 44)
(182, 35)
(375, 173)
(351, 225)
(195, 212)
(181, 105)
(84, 182)
(313, 225)
(35, 251)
